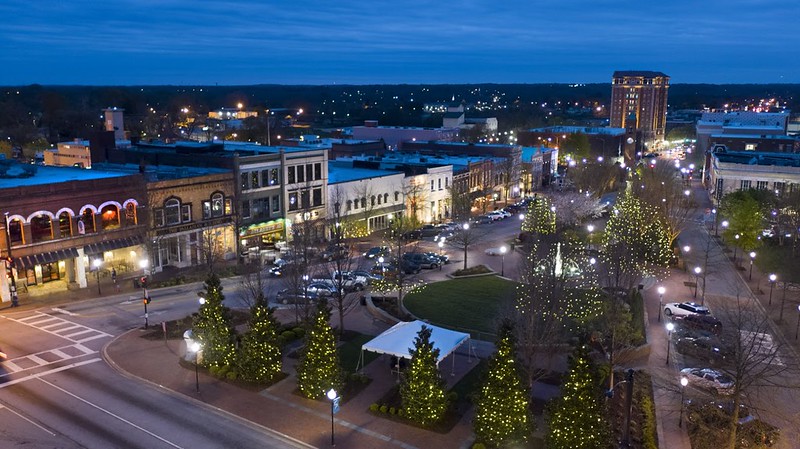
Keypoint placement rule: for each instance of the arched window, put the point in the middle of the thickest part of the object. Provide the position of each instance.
(130, 214)
(109, 217)
(385, 197)
(349, 205)
(217, 202)
(41, 228)
(363, 202)
(87, 220)
(372, 201)
(15, 232)
(65, 224)
(396, 196)
(172, 211)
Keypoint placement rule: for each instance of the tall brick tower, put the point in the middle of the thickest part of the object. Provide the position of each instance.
(640, 96)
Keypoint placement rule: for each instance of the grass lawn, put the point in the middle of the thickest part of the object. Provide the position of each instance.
(772, 258)
(470, 304)
(350, 351)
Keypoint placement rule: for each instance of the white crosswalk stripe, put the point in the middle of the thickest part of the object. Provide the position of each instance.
(68, 330)
(44, 358)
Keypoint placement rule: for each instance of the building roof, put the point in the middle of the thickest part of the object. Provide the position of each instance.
(160, 172)
(644, 73)
(453, 114)
(753, 136)
(759, 158)
(338, 173)
(605, 131)
(14, 174)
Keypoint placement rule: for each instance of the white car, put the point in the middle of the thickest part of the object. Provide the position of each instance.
(708, 378)
(496, 215)
(681, 309)
(495, 252)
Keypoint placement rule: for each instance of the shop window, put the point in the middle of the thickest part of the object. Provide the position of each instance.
(245, 209)
(273, 177)
(293, 204)
(254, 180)
(15, 232)
(317, 197)
(65, 224)
(217, 203)
(86, 224)
(172, 212)
(245, 184)
(276, 203)
(290, 177)
(109, 217)
(41, 228)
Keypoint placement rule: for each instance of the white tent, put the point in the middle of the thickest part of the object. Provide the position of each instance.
(399, 339)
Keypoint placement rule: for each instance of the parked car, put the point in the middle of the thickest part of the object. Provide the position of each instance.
(446, 227)
(496, 215)
(422, 260)
(412, 235)
(703, 348)
(321, 288)
(482, 219)
(428, 230)
(443, 235)
(391, 269)
(335, 252)
(349, 281)
(706, 323)
(681, 309)
(443, 259)
(709, 379)
(377, 251)
(370, 277)
(291, 296)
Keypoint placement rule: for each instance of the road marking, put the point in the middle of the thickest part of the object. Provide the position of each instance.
(39, 318)
(26, 419)
(64, 311)
(52, 371)
(111, 414)
(38, 360)
(761, 343)
(15, 365)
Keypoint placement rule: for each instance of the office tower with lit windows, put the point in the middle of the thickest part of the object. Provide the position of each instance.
(639, 102)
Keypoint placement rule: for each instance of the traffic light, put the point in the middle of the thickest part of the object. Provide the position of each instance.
(143, 281)
(146, 300)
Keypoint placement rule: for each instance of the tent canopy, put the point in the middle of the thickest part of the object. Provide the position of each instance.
(399, 339)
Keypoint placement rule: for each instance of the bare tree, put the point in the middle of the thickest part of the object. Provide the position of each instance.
(341, 256)
(415, 196)
(468, 235)
(597, 178)
(211, 247)
(574, 208)
(460, 204)
(397, 279)
(366, 195)
(660, 187)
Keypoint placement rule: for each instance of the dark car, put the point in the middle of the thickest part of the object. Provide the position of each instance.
(335, 252)
(412, 235)
(429, 230)
(423, 260)
(290, 296)
(703, 348)
(377, 251)
(443, 259)
(705, 323)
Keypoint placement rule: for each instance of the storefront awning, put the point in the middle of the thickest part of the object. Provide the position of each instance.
(110, 245)
(25, 262)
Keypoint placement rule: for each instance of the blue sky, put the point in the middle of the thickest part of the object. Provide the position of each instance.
(402, 41)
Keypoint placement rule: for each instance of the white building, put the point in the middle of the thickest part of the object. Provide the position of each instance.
(739, 122)
(741, 170)
(368, 197)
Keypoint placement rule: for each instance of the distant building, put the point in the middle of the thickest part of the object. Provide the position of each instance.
(639, 103)
(742, 123)
(69, 154)
(741, 170)
(394, 136)
(455, 117)
(370, 199)
(603, 141)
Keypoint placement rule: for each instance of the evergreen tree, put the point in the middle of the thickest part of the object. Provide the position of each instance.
(260, 354)
(577, 419)
(502, 415)
(423, 390)
(319, 370)
(213, 327)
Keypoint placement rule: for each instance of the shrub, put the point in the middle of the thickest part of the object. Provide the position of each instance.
(299, 332)
(649, 424)
(288, 336)
(384, 409)
(232, 375)
(478, 446)
(373, 407)
(392, 411)
(400, 412)
(452, 397)
(213, 370)
(223, 371)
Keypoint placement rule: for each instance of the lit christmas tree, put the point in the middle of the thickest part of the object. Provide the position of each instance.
(260, 353)
(578, 418)
(422, 390)
(541, 217)
(502, 415)
(213, 327)
(318, 370)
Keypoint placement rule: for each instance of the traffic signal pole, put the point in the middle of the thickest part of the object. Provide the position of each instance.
(145, 300)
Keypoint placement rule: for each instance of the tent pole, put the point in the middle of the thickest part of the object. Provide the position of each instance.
(453, 368)
(360, 361)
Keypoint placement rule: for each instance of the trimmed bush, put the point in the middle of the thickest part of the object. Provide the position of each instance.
(478, 446)
(384, 409)
(400, 412)
(222, 372)
(299, 332)
(649, 438)
(452, 397)
(374, 407)
(392, 411)
(288, 335)
(232, 375)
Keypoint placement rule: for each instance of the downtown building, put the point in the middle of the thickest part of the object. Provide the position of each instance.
(639, 105)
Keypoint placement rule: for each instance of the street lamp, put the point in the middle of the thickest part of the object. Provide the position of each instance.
(772, 278)
(661, 291)
(735, 246)
(503, 250)
(195, 347)
(521, 217)
(797, 327)
(752, 258)
(697, 271)
(96, 263)
(670, 328)
(684, 383)
(714, 224)
(465, 226)
(441, 246)
(333, 396)
(686, 249)
(590, 228)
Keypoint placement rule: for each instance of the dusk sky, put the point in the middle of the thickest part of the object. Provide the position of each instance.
(403, 41)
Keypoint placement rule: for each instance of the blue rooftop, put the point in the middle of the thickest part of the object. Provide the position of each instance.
(338, 173)
(14, 174)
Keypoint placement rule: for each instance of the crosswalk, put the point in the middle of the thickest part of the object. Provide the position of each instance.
(44, 358)
(68, 330)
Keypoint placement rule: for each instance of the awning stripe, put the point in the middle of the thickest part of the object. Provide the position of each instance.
(24, 262)
(110, 245)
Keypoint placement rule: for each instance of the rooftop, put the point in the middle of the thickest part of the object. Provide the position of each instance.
(644, 73)
(338, 172)
(605, 131)
(14, 174)
(759, 158)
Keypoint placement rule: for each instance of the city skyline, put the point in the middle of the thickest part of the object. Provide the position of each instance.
(239, 43)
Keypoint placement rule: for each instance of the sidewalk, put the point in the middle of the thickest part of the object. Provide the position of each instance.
(278, 407)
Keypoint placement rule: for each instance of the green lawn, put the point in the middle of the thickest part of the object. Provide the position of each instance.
(471, 304)
(350, 351)
(777, 259)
